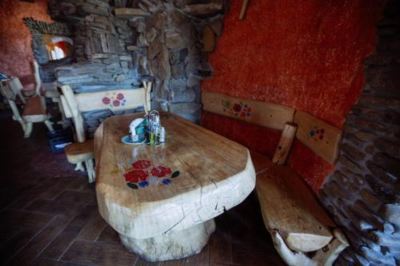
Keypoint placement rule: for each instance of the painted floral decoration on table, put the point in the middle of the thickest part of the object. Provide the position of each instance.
(143, 173)
(114, 99)
(238, 109)
(317, 133)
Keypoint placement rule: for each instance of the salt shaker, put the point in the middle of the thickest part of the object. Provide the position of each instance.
(162, 135)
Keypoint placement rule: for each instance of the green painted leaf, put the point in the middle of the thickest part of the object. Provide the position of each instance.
(175, 174)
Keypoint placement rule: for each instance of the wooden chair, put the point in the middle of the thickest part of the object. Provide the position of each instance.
(81, 152)
(34, 110)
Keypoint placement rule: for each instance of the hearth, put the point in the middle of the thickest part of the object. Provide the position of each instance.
(52, 46)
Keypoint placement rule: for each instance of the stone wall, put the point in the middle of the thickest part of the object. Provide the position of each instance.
(363, 194)
(118, 44)
(102, 60)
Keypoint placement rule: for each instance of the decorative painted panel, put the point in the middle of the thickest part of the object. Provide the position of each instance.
(144, 173)
(261, 113)
(319, 136)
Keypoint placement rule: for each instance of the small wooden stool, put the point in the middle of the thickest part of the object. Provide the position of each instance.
(79, 154)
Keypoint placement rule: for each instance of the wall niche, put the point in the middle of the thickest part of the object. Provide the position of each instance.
(52, 46)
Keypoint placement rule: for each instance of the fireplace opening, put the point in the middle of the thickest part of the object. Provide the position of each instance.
(58, 47)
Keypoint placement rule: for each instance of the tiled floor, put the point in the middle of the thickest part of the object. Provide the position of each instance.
(48, 215)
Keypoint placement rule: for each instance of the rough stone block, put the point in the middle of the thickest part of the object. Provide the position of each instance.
(178, 71)
(391, 212)
(182, 96)
(174, 40)
(185, 108)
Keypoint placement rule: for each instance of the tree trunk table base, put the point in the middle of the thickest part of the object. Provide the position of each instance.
(172, 245)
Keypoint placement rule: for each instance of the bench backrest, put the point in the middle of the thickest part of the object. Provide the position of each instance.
(319, 136)
(116, 100)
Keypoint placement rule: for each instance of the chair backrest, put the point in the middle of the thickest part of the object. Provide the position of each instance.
(16, 86)
(38, 81)
(116, 100)
(323, 139)
(6, 90)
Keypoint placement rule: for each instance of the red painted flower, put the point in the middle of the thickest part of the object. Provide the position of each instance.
(116, 103)
(161, 171)
(135, 176)
(106, 100)
(237, 107)
(120, 96)
(141, 164)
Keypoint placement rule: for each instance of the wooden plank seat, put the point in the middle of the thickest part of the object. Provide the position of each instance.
(78, 152)
(34, 108)
(35, 112)
(81, 152)
(298, 224)
(288, 205)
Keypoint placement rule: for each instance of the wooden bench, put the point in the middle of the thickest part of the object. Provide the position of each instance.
(81, 152)
(294, 217)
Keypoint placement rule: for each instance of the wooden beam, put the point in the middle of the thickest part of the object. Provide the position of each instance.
(203, 9)
(256, 112)
(130, 12)
(284, 145)
(209, 39)
(244, 9)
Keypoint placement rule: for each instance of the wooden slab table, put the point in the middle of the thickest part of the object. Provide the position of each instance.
(162, 199)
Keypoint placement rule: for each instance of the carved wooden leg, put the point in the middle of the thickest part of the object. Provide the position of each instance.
(90, 170)
(49, 125)
(22, 123)
(325, 256)
(290, 257)
(329, 253)
(64, 121)
(79, 167)
(28, 129)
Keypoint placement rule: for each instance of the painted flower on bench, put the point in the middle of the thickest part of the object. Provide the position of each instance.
(143, 174)
(317, 133)
(114, 99)
(238, 109)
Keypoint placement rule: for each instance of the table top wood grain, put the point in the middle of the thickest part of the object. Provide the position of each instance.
(215, 174)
